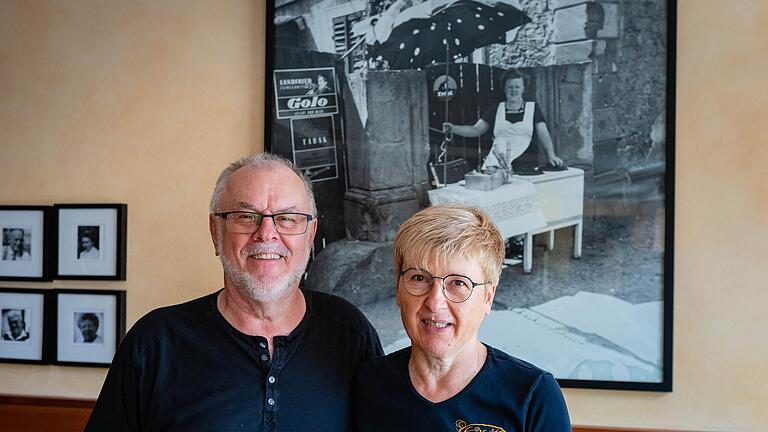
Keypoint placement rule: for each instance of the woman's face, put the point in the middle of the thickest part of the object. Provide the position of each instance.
(513, 89)
(437, 326)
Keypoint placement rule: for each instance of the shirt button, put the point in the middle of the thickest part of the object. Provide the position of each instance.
(271, 380)
(271, 401)
(264, 357)
(263, 344)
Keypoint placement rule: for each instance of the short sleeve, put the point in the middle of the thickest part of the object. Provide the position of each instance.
(489, 116)
(547, 411)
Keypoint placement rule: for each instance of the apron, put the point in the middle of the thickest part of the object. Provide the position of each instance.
(510, 139)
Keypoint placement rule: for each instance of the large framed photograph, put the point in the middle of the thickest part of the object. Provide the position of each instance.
(555, 116)
(91, 241)
(25, 234)
(89, 326)
(24, 325)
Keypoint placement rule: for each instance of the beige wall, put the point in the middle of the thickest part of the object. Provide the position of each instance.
(143, 102)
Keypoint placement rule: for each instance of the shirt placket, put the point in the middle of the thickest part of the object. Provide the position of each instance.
(273, 366)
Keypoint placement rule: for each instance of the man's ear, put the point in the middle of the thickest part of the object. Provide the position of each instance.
(213, 227)
(312, 231)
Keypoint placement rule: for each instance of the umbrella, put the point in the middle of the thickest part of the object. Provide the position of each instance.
(425, 34)
(439, 31)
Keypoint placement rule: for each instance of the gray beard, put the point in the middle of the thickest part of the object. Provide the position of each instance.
(262, 290)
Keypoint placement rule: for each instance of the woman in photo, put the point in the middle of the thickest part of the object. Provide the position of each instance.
(514, 122)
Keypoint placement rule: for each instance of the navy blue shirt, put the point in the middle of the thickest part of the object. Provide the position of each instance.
(507, 395)
(185, 368)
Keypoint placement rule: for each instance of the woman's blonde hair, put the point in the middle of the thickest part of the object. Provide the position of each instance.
(443, 232)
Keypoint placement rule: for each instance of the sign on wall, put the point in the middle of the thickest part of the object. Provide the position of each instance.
(314, 147)
(305, 92)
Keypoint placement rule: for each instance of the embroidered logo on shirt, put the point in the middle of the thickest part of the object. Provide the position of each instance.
(462, 426)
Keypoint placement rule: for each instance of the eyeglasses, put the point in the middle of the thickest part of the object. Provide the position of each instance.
(243, 222)
(456, 288)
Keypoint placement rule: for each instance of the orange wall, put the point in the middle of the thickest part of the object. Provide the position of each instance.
(144, 102)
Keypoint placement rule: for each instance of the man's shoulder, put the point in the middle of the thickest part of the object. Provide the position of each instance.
(162, 323)
(337, 311)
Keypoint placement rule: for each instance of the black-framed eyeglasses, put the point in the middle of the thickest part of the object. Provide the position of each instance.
(246, 222)
(456, 288)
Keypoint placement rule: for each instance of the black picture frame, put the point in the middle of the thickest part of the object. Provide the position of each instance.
(74, 314)
(104, 227)
(29, 308)
(628, 173)
(35, 224)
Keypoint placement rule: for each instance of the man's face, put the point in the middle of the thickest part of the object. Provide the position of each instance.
(88, 329)
(15, 323)
(321, 82)
(265, 264)
(17, 240)
(86, 243)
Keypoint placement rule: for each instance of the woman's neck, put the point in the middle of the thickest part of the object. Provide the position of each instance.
(440, 378)
(514, 105)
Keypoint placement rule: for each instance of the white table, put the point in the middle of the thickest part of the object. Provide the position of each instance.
(513, 207)
(561, 196)
(528, 205)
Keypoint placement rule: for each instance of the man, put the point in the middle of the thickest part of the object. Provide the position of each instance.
(260, 354)
(88, 324)
(88, 249)
(14, 251)
(16, 327)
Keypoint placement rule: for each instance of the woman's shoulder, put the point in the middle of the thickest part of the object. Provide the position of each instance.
(509, 365)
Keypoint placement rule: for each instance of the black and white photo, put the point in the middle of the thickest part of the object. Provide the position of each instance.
(23, 313)
(89, 326)
(14, 325)
(554, 116)
(91, 241)
(88, 247)
(25, 242)
(87, 329)
(16, 246)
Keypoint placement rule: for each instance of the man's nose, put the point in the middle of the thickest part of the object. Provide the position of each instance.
(266, 229)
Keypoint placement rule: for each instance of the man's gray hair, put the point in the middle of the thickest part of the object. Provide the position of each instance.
(261, 160)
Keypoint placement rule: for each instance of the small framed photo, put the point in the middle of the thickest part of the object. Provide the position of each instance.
(25, 238)
(24, 322)
(89, 326)
(91, 241)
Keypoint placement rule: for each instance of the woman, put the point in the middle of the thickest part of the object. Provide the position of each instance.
(448, 261)
(513, 122)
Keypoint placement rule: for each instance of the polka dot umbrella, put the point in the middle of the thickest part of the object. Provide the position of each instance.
(424, 34)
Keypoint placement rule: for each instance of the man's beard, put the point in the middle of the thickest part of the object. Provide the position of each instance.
(262, 290)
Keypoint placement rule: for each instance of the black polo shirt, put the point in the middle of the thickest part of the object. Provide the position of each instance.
(185, 368)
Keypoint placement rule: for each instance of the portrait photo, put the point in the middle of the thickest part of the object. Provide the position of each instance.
(14, 325)
(24, 314)
(90, 241)
(89, 326)
(25, 242)
(88, 244)
(16, 243)
(87, 329)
